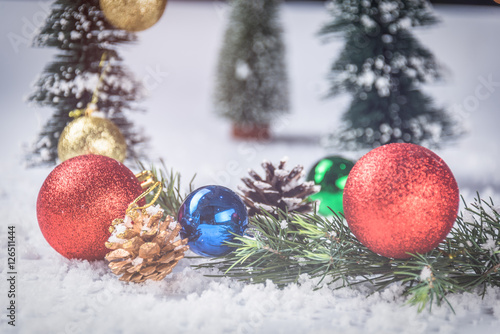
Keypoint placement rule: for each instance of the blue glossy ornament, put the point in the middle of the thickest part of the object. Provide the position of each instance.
(208, 216)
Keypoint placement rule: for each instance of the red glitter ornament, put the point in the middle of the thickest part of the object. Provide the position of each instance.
(399, 199)
(79, 200)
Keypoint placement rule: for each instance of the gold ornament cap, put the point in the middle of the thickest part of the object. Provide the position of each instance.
(91, 135)
(133, 15)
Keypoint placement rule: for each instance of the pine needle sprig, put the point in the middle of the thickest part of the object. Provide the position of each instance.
(287, 247)
(427, 281)
(284, 248)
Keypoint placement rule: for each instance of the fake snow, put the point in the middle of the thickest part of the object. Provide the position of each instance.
(490, 245)
(262, 185)
(284, 224)
(332, 234)
(127, 221)
(75, 35)
(291, 185)
(367, 22)
(281, 173)
(242, 70)
(292, 203)
(425, 274)
(153, 210)
(264, 207)
(382, 85)
(137, 261)
(172, 225)
(120, 228)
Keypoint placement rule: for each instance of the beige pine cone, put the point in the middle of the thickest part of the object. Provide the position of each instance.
(143, 245)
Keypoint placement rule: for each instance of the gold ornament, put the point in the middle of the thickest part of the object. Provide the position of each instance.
(133, 15)
(91, 135)
(143, 245)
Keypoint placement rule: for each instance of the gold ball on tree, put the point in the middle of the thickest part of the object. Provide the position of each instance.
(91, 135)
(133, 15)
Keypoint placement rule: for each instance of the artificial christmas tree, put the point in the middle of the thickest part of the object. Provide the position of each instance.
(382, 66)
(251, 87)
(80, 32)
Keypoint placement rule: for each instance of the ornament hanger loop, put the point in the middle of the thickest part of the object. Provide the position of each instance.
(92, 105)
(155, 198)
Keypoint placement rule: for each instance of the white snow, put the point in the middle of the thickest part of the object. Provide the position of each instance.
(366, 78)
(119, 228)
(266, 207)
(426, 274)
(367, 22)
(145, 229)
(153, 210)
(137, 261)
(127, 221)
(262, 185)
(332, 234)
(172, 225)
(281, 172)
(292, 184)
(242, 70)
(292, 202)
(57, 295)
(75, 35)
(382, 85)
(490, 245)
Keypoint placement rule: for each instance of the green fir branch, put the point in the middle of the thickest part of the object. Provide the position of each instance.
(171, 197)
(284, 248)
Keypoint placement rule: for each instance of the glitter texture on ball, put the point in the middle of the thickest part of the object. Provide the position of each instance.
(78, 202)
(91, 135)
(133, 15)
(400, 199)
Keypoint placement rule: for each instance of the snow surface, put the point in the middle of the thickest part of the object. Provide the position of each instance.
(176, 60)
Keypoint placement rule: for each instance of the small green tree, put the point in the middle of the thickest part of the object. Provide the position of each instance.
(78, 29)
(252, 86)
(383, 66)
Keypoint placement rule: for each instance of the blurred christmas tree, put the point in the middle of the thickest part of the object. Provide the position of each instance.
(252, 86)
(79, 30)
(383, 66)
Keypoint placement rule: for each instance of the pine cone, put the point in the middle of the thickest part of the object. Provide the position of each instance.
(280, 189)
(143, 246)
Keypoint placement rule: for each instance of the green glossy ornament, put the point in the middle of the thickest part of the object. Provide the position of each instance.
(331, 174)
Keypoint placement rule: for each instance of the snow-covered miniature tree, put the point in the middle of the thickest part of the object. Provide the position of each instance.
(252, 86)
(383, 66)
(78, 29)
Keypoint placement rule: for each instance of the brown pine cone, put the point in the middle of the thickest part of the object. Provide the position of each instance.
(280, 189)
(143, 245)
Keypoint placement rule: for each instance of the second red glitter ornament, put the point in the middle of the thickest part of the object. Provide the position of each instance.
(401, 199)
